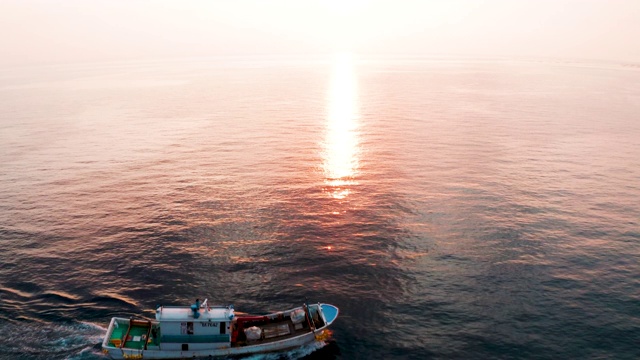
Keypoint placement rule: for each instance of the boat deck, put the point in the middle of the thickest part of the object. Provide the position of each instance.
(145, 335)
(277, 330)
(274, 332)
(135, 335)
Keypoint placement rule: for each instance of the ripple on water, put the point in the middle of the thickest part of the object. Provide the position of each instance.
(450, 209)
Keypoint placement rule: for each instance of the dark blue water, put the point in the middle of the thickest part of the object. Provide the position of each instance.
(450, 209)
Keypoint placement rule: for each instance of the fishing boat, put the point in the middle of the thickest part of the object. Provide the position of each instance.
(200, 330)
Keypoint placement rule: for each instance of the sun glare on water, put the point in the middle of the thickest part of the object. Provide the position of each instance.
(340, 161)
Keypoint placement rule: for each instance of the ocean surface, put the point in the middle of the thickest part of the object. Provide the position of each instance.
(451, 208)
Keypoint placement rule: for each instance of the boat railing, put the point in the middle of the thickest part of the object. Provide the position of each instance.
(107, 337)
(184, 306)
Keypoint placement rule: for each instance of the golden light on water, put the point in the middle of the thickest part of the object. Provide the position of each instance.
(340, 157)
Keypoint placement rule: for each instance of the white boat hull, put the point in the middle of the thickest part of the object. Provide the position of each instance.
(244, 350)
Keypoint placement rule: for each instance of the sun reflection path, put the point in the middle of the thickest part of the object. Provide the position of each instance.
(341, 148)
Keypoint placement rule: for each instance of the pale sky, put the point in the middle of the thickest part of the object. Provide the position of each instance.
(68, 31)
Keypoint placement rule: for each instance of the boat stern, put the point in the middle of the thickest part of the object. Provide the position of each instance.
(107, 345)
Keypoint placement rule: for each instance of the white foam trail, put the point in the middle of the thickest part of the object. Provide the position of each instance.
(294, 354)
(47, 340)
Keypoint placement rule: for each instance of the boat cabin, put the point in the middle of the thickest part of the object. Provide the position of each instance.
(195, 328)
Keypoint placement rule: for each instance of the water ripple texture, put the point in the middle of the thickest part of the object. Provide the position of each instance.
(450, 208)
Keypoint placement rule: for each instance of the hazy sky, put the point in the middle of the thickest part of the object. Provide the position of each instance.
(105, 30)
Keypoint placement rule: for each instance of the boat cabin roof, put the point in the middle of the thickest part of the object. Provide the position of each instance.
(184, 313)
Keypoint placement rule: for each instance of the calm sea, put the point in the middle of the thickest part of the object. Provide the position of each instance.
(452, 209)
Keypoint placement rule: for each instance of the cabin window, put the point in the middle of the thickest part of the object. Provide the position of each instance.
(186, 328)
(185, 347)
(223, 327)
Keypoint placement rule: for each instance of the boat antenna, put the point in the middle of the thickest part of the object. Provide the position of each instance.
(308, 314)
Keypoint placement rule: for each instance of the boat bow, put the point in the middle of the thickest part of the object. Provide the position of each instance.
(330, 313)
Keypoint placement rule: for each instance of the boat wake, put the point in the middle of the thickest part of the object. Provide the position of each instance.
(43, 340)
(293, 354)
